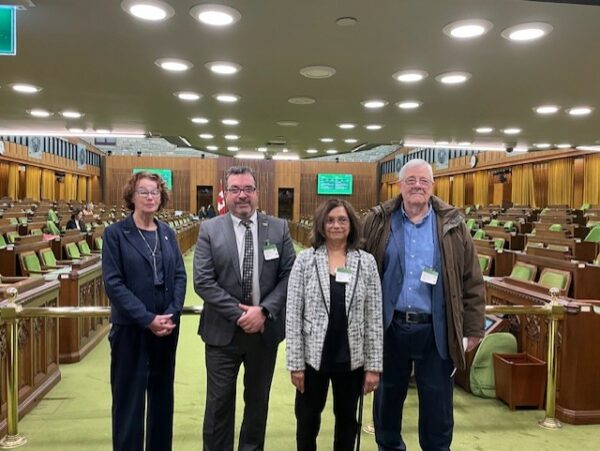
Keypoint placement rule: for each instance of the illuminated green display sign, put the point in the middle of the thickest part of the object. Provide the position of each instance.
(8, 30)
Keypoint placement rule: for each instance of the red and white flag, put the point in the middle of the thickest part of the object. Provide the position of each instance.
(221, 200)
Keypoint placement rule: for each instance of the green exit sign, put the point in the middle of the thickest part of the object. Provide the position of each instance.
(8, 30)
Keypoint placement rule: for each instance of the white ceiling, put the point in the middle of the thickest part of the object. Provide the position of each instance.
(93, 57)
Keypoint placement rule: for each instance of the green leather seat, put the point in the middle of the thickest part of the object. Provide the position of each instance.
(485, 263)
(499, 243)
(72, 251)
(495, 223)
(555, 278)
(481, 376)
(2, 242)
(593, 235)
(51, 228)
(555, 228)
(84, 248)
(470, 223)
(479, 235)
(508, 226)
(523, 271)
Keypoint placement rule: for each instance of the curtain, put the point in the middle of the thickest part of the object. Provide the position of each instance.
(70, 187)
(540, 180)
(48, 184)
(4, 169)
(591, 180)
(523, 186)
(458, 191)
(13, 181)
(560, 182)
(81, 188)
(481, 188)
(33, 177)
(442, 188)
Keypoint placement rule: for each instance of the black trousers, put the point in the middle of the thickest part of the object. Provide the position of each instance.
(222, 367)
(405, 344)
(142, 369)
(346, 387)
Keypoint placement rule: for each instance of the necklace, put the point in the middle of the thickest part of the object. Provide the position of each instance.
(152, 251)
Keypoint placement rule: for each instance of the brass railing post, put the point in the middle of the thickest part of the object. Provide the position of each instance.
(9, 315)
(550, 422)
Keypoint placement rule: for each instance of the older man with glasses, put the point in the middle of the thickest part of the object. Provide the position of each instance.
(433, 306)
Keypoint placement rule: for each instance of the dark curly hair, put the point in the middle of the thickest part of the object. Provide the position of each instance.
(318, 229)
(129, 189)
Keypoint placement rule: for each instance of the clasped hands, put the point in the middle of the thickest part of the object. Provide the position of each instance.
(252, 319)
(162, 325)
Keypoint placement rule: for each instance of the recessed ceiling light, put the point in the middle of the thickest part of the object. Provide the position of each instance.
(76, 130)
(213, 148)
(261, 149)
(580, 110)
(206, 136)
(374, 103)
(409, 104)
(188, 96)
(151, 10)
(103, 131)
(25, 88)
(527, 31)
(511, 131)
(484, 130)
(373, 127)
(312, 151)
(465, 143)
(442, 143)
(317, 71)
(564, 146)
(346, 21)
(230, 122)
(288, 123)
(346, 126)
(410, 76)
(331, 151)
(326, 140)
(453, 78)
(173, 64)
(227, 98)
(233, 148)
(231, 137)
(223, 67)
(542, 145)
(546, 109)
(467, 29)
(71, 114)
(200, 120)
(40, 113)
(350, 140)
(215, 15)
(302, 100)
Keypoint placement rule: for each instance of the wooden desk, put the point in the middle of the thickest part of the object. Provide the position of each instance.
(515, 241)
(578, 353)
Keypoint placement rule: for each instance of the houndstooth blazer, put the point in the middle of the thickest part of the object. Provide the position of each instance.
(308, 301)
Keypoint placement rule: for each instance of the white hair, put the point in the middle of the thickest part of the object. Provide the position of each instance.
(412, 163)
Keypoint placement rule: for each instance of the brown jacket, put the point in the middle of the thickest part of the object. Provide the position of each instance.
(463, 283)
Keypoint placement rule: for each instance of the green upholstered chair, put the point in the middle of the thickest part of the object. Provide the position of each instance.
(555, 228)
(523, 271)
(499, 243)
(585, 207)
(593, 235)
(479, 235)
(84, 248)
(467, 210)
(545, 211)
(471, 223)
(555, 278)
(2, 242)
(597, 260)
(494, 223)
(49, 260)
(51, 228)
(481, 376)
(52, 216)
(72, 251)
(23, 220)
(485, 263)
(35, 232)
(30, 264)
(13, 221)
(99, 241)
(508, 226)
(12, 236)
(88, 226)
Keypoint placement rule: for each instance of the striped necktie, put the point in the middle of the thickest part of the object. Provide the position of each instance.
(248, 263)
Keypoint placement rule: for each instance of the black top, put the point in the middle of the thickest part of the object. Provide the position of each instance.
(336, 349)
(159, 273)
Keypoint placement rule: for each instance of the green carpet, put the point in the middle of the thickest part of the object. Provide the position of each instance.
(76, 413)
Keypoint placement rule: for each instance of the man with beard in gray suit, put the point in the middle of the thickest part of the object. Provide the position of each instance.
(241, 268)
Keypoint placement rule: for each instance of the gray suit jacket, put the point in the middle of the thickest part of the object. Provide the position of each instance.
(218, 281)
(308, 310)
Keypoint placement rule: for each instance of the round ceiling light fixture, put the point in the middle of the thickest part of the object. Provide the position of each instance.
(215, 15)
(410, 76)
(173, 64)
(150, 10)
(468, 29)
(409, 104)
(317, 72)
(227, 98)
(374, 103)
(25, 88)
(188, 96)
(301, 100)
(527, 31)
(453, 78)
(484, 130)
(546, 109)
(223, 67)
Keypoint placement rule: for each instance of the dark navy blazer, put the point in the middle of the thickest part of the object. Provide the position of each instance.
(128, 274)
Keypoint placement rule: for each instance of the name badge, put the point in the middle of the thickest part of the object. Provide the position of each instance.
(270, 251)
(342, 275)
(430, 276)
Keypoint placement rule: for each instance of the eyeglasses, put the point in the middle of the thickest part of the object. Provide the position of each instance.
(144, 193)
(235, 190)
(412, 181)
(342, 220)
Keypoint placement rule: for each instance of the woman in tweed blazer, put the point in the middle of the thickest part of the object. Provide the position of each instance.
(334, 327)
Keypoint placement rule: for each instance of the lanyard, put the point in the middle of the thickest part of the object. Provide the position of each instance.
(152, 251)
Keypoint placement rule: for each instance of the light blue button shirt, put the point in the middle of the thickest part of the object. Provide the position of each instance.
(416, 296)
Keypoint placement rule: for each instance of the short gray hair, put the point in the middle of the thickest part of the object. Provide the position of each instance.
(412, 163)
